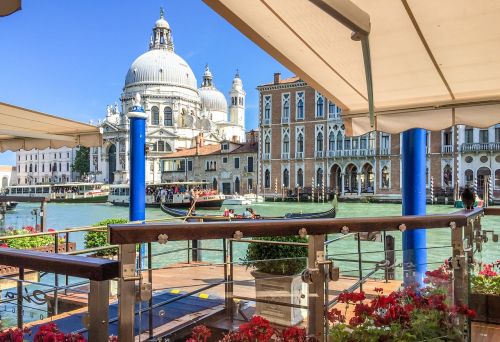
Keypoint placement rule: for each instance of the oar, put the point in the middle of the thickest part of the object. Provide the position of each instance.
(190, 209)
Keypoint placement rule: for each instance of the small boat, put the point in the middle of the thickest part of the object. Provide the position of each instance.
(236, 200)
(331, 213)
(10, 205)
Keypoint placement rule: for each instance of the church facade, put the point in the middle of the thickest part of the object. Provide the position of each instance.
(178, 111)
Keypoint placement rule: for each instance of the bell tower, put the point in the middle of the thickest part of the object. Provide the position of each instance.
(237, 107)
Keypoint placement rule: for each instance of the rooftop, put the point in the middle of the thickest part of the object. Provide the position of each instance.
(205, 150)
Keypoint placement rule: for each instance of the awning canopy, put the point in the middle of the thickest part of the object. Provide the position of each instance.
(433, 63)
(22, 128)
(8, 7)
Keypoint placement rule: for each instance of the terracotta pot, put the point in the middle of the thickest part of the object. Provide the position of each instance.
(487, 307)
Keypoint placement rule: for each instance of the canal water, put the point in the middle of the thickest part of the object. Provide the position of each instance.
(64, 215)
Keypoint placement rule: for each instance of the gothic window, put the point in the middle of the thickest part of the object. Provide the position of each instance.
(319, 142)
(300, 178)
(286, 144)
(155, 116)
(319, 177)
(267, 145)
(267, 179)
(319, 106)
(286, 105)
(339, 141)
(267, 107)
(469, 177)
(286, 178)
(167, 116)
(300, 109)
(447, 176)
(300, 143)
(333, 110)
(331, 141)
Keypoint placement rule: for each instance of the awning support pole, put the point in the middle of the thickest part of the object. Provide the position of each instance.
(414, 203)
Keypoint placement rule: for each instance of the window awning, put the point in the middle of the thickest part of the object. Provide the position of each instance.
(22, 128)
(433, 63)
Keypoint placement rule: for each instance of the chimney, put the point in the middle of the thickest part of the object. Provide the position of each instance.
(201, 140)
(197, 142)
(277, 77)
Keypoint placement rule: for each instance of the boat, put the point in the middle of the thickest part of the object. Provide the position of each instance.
(11, 205)
(331, 213)
(159, 193)
(254, 198)
(236, 200)
(72, 192)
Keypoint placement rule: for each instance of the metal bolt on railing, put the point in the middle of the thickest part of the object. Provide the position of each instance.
(402, 227)
(344, 230)
(302, 232)
(162, 239)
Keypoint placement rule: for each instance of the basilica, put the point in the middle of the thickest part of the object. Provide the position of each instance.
(178, 111)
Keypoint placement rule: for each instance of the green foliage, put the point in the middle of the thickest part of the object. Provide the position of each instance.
(100, 238)
(82, 161)
(293, 258)
(29, 241)
(486, 285)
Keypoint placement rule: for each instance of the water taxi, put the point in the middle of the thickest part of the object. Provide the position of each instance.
(173, 194)
(73, 192)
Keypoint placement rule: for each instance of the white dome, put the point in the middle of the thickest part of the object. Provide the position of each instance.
(160, 66)
(162, 23)
(212, 100)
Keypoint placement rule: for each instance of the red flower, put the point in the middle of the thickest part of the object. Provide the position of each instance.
(257, 329)
(200, 333)
(4, 245)
(294, 334)
(379, 290)
(51, 230)
(334, 315)
(351, 297)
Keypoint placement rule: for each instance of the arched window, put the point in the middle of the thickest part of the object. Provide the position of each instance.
(300, 143)
(497, 179)
(267, 179)
(161, 146)
(267, 145)
(447, 176)
(339, 141)
(167, 116)
(300, 109)
(319, 106)
(286, 178)
(286, 105)
(300, 178)
(286, 144)
(319, 177)
(347, 144)
(267, 111)
(385, 178)
(331, 141)
(214, 184)
(31, 167)
(319, 142)
(469, 177)
(155, 116)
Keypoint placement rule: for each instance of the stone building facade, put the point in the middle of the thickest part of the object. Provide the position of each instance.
(229, 166)
(7, 176)
(303, 144)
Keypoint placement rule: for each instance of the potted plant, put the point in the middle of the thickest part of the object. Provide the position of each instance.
(277, 278)
(485, 292)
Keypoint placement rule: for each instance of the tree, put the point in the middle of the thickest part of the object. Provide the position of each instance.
(82, 161)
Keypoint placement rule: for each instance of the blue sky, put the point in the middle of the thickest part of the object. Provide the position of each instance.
(70, 58)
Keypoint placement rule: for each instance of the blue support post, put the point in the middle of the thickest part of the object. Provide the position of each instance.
(137, 170)
(414, 203)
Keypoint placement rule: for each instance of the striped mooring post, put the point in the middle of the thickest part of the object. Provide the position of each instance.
(432, 189)
(312, 189)
(323, 190)
(275, 188)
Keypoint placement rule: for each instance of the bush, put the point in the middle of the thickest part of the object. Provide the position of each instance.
(96, 239)
(294, 258)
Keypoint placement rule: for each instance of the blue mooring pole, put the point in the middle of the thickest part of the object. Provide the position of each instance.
(414, 203)
(137, 170)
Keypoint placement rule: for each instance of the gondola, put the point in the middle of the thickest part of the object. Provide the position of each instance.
(11, 205)
(331, 213)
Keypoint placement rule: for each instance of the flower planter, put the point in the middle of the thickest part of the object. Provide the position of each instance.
(282, 289)
(10, 270)
(487, 307)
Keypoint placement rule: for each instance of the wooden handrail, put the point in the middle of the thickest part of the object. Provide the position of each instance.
(76, 266)
(139, 233)
(495, 211)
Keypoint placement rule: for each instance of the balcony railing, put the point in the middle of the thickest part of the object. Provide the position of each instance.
(385, 151)
(267, 122)
(447, 149)
(285, 120)
(266, 156)
(318, 154)
(285, 156)
(492, 146)
(299, 155)
(319, 272)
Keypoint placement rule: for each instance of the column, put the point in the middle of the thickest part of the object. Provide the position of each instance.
(342, 184)
(414, 203)
(358, 179)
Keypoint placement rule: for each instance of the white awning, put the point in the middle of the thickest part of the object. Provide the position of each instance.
(22, 128)
(433, 63)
